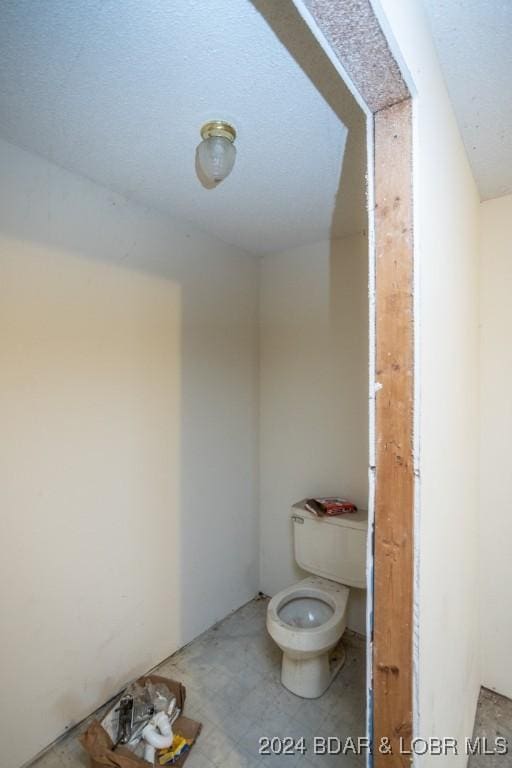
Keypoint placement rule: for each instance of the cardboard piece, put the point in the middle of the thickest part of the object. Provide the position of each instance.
(98, 744)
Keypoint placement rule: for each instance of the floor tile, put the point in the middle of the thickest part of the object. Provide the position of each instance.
(196, 759)
(493, 720)
(49, 760)
(216, 745)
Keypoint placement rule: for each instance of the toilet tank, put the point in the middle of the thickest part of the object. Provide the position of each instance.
(331, 547)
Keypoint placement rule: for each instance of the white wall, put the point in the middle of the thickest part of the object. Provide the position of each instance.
(496, 429)
(313, 393)
(446, 247)
(128, 351)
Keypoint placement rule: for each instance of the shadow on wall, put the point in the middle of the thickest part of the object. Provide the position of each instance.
(349, 208)
(348, 309)
(314, 390)
(348, 302)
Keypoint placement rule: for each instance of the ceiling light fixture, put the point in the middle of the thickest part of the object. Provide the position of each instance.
(216, 153)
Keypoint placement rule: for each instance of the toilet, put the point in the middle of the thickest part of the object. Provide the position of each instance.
(308, 619)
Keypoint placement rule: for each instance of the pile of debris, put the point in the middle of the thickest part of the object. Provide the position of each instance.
(145, 726)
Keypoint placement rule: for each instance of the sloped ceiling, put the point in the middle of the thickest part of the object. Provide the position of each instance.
(117, 91)
(474, 44)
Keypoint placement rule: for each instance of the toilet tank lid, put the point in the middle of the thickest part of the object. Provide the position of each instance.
(357, 519)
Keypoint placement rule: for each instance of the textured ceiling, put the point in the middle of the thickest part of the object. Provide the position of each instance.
(117, 90)
(474, 43)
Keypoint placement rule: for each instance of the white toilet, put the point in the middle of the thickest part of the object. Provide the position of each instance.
(308, 619)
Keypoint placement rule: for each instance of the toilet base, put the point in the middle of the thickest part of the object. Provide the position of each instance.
(310, 678)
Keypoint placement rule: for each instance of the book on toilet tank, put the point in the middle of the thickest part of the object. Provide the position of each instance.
(329, 505)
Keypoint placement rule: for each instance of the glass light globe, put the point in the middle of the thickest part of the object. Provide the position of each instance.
(216, 156)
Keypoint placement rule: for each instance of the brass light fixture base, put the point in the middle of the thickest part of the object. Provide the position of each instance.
(218, 128)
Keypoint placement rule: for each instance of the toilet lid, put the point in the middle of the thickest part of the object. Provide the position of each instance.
(305, 612)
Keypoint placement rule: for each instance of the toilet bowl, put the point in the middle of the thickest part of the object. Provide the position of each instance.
(307, 621)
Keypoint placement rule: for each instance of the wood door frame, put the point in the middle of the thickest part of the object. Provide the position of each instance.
(350, 32)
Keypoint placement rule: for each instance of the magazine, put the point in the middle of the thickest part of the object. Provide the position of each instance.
(329, 505)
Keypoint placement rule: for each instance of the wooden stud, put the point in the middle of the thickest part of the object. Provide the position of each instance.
(394, 481)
